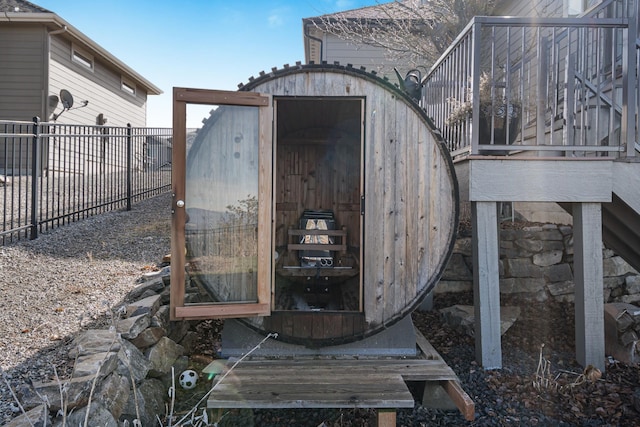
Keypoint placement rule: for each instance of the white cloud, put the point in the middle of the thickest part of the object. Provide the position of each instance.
(277, 17)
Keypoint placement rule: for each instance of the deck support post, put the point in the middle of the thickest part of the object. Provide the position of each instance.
(386, 417)
(589, 298)
(486, 284)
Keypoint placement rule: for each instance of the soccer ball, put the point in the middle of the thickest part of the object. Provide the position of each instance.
(188, 379)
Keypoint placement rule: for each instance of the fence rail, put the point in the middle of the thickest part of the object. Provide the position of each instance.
(554, 85)
(52, 174)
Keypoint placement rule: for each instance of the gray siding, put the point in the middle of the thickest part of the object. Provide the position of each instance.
(22, 72)
(370, 57)
(542, 8)
(100, 86)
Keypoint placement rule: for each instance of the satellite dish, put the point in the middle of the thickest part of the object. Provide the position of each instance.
(66, 98)
(53, 101)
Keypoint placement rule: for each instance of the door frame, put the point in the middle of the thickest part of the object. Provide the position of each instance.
(262, 307)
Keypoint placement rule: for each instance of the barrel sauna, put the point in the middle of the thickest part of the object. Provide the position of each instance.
(363, 205)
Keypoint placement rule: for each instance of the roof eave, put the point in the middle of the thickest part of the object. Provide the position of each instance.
(52, 18)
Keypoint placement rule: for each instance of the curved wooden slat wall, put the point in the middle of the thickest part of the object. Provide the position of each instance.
(411, 203)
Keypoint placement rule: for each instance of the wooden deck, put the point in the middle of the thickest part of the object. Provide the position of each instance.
(337, 383)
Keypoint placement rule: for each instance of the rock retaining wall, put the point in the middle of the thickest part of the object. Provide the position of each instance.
(536, 263)
(135, 356)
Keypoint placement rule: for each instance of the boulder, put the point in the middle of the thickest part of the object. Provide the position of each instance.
(621, 340)
(148, 305)
(38, 416)
(148, 337)
(98, 416)
(94, 341)
(162, 356)
(545, 259)
(150, 401)
(462, 318)
(132, 363)
(155, 284)
(114, 393)
(131, 327)
(101, 364)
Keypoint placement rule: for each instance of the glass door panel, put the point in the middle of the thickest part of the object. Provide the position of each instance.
(223, 220)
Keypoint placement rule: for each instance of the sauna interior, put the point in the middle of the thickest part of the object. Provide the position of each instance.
(318, 203)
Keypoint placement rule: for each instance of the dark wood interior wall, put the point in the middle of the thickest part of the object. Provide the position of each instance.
(318, 176)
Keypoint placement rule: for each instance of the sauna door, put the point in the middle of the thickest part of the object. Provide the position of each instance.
(318, 199)
(222, 205)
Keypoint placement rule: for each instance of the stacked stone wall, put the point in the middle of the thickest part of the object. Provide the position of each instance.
(536, 263)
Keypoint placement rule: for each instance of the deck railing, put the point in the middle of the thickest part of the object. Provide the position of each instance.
(555, 86)
(52, 174)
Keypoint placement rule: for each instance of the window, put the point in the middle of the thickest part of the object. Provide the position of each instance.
(578, 7)
(128, 86)
(82, 57)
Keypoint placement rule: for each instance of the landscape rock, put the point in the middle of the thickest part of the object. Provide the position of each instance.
(162, 356)
(98, 416)
(35, 417)
(453, 286)
(132, 362)
(148, 305)
(114, 393)
(522, 285)
(177, 330)
(155, 284)
(621, 339)
(132, 326)
(462, 318)
(529, 245)
(545, 259)
(558, 273)
(616, 266)
(162, 318)
(94, 341)
(76, 392)
(457, 269)
(522, 267)
(632, 284)
(562, 288)
(101, 364)
(150, 398)
(148, 337)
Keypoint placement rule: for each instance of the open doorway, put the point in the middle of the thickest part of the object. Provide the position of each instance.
(318, 198)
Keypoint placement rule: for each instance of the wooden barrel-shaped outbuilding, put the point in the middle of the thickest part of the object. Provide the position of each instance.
(364, 203)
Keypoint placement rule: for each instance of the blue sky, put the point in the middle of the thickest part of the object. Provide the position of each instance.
(210, 44)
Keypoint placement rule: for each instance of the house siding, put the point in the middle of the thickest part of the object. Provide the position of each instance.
(100, 86)
(22, 72)
(541, 8)
(370, 57)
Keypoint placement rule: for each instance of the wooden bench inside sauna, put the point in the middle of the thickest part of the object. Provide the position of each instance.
(345, 219)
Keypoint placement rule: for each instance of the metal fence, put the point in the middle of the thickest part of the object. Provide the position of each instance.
(564, 85)
(52, 174)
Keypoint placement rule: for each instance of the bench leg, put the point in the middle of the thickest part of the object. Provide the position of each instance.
(386, 418)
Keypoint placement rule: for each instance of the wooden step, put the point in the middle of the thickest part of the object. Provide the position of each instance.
(329, 382)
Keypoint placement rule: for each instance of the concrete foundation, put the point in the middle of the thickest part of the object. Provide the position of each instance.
(398, 340)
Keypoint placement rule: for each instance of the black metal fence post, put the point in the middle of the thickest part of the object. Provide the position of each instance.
(35, 176)
(129, 171)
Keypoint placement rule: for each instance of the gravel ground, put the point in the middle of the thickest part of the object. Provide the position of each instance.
(67, 280)
(71, 278)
